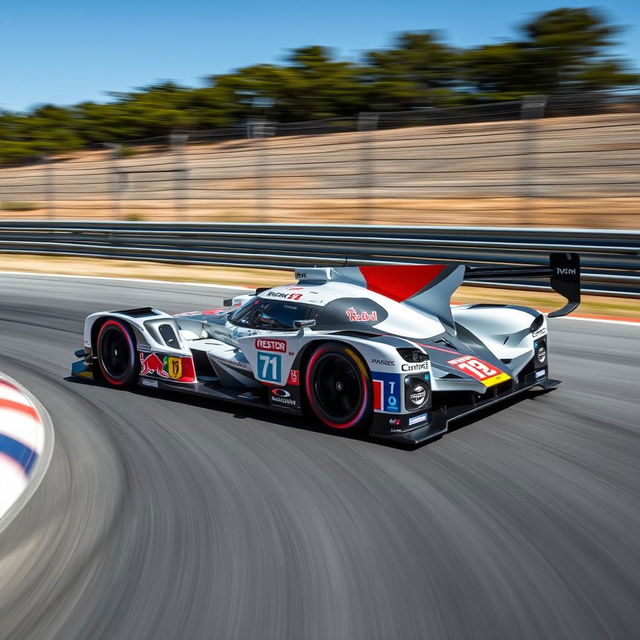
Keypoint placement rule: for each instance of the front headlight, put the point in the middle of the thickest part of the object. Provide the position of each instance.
(413, 355)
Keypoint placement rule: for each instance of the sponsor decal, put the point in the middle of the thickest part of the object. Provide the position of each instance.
(282, 294)
(289, 402)
(144, 347)
(174, 367)
(480, 370)
(294, 378)
(264, 344)
(364, 316)
(152, 365)
(565, 271)
(419, 366)
(269, 367)
(540, 332)
(541, 373)
(541, 354)
(413, 420)
(386, 363)
(149, 382)
(280, 392)
(165, 366)
(386, 392)
(418, 395)
(394, 422)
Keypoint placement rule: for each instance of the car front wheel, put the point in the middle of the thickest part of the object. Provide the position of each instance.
(116, 351)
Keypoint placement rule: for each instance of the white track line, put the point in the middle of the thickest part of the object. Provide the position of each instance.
(629, 323)
(144, 280)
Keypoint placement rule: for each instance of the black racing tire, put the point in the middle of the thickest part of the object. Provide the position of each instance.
(116, 353)
(338, 387)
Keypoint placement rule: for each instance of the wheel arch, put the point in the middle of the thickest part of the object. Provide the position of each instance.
(310, 347)
(100, 321)
(96, 329)
(342, 346)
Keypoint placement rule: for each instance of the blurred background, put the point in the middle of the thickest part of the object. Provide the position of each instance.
(539, 128)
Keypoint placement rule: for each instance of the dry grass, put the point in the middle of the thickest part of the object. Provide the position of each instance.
(481, 211)
(578, 172)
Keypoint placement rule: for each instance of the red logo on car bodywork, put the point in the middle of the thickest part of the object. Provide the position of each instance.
(265, 344)
(364, 316)
(152, 364)
(482, 371)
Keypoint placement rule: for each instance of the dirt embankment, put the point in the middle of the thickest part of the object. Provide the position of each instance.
(567, 172)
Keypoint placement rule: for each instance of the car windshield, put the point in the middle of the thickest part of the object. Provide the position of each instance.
(243, 310)
(270, 314)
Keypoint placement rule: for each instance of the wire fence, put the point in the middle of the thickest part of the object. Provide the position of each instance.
(510, 163)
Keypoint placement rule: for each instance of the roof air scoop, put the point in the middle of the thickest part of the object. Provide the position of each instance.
(316, 275)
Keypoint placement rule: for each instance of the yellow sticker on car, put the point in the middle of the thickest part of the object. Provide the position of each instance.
(501, 377)
(174, 367)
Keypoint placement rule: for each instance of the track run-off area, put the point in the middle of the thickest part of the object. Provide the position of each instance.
(165, 516)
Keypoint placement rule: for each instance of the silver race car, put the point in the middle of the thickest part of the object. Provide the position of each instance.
(371, 347)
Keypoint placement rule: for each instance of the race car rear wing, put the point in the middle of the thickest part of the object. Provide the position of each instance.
(563, 273)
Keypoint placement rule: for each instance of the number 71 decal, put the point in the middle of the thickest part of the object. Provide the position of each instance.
(269, 367)
(480, 370)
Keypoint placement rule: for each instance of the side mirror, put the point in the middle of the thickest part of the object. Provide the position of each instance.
(302, 324)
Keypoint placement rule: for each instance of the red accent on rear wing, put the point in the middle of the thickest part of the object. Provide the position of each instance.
(400, 282)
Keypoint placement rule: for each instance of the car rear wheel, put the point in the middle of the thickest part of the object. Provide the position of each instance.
(338, 387)
(116, 351)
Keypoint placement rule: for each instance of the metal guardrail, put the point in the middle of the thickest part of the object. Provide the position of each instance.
(610, 259)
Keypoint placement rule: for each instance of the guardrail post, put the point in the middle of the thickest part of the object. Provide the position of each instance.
(181, 175)
(49, 187)
(261, 129)
(531, 108)
(119, 178)
(367, 122)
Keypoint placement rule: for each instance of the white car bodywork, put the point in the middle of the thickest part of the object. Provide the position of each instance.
(482, 353)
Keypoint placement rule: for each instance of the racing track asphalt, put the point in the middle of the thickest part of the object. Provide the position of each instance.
(168, 517)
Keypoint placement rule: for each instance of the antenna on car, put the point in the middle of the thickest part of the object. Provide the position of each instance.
(346, 261)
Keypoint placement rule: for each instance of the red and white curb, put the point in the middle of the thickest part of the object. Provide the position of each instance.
(26, 445)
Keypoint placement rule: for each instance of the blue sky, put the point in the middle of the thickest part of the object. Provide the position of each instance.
(66, 51)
